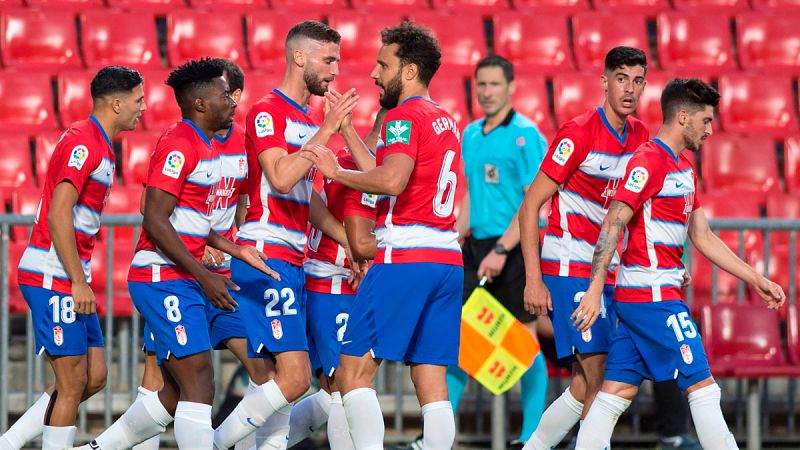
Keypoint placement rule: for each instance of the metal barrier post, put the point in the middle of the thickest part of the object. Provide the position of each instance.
(4, 328)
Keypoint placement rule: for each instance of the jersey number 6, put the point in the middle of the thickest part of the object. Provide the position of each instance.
(444, 201)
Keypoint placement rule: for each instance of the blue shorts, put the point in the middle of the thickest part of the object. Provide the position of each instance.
(175, 313)
(273, 312)
(657, 341)
(327, 322)
(566, 294)
(148, 340)
(224, 325)
(407, 312)
(57, 329)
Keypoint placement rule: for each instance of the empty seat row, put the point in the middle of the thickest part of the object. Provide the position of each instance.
(692, 43)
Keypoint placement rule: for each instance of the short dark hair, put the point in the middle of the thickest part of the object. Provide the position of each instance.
(497, 61)
(114, 79)
(234, 75)
(625, 56)
(416, 45)
(314, 30)
(687, 93)
(193, 74)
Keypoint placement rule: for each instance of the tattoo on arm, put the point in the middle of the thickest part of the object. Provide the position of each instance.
(607, 242)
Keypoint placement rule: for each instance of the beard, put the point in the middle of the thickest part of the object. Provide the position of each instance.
(314, 84)
(391, 93)
(689, 140)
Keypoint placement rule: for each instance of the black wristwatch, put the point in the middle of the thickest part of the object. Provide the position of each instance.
(500, 249)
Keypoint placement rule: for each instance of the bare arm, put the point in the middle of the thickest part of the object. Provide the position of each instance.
(360, 150)
(710, 246)
(619, 214)
(390, 178)
(537, 297)
(322, 219)
(242, 205)
(359, 235)
(62, 233)
(462, 218)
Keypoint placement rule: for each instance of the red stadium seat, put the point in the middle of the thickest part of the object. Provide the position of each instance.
(318, 6)
(778, 270)
(256, 86)
(70, 5)
(486, 7)
(188, 37)
(791, 162)
(16, 303)
(368, 106)
(35, 39)
(712, 6)
(24, 201)
(782, 206)
(778, 6)
(266, 33)
(162, 108)
(647, 7)
(696, 42)
(361, 34)
(26, 102)
(574, 94)
(388, 5)
(8, 4)
(105, 42)
(154, 6)
(74, 96)
(594, 34)
(229, 5)
(757, 104)
(121, 255)
(649, 108)
(15, 152)
(726, 156)
(449, 92)
(560, 6)
(530, 99)
(45, 146)
(463, 41)
(123, 200)
(539, 41)
(769, 42)
(136, 150)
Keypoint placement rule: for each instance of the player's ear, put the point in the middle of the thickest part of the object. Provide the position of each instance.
(236, 95)
(604, 82)
(299, 57)
(512, 87)
(116, 104)
(410, 71)
(200, 104)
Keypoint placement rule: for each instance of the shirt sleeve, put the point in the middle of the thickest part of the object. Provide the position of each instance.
(77, 163)
(643, 179)
(532, 154)
(402, 134)
(696, 191)
(360, 204)
(171, 163)
(567, 151)
(266, 128)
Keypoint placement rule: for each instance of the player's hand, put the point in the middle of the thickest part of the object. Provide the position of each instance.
(770, 292)
(213, 257)
(354, 276)
(323, 158)
(537, 298)
(338, 109)
(587, 311)
(83, 298)
(332, 97)
(215, 286)
(687, 280)
(255, 258)
(491, 266)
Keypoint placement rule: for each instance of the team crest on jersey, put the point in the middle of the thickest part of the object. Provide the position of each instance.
(398, 132)
(264, 125)
(686, 353)
(58, 335)
(563, 151)
(521, 141)
(180, 333)
(78, 157)
(173, 164)
(637, 179)
(242, 167)
(277, 329)
(370, 200)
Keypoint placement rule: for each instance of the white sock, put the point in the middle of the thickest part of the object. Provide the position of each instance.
(27, 427)
(712, 431)
(338, 431)
(438, 426)
(57, 438)
(251, 413)
(274, 434)
(193, 426)
(154, 442)
(145, 418)
(597, 427)
(556, 422)
(308, 416)
(365, 418)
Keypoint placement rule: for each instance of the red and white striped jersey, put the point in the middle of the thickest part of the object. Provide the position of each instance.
(84, 157)
(185, 164)
(276, 223)
(419, 225)
(234, 171)
(326, 265)
(587, 159)
(662, 190)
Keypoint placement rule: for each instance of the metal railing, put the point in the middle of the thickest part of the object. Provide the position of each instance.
(488, 419)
